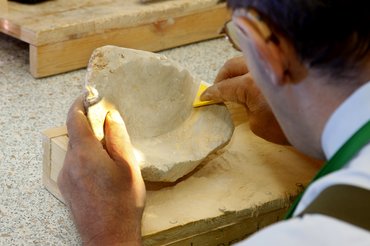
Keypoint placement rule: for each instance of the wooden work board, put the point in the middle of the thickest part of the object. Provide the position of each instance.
(63, 33)
(241, 188)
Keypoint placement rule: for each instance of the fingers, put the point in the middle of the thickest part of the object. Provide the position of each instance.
(232, 90)
(117, 140)
(77, 123)
(232, 68)
(231, 82)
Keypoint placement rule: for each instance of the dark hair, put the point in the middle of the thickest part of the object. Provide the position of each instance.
(327, 34)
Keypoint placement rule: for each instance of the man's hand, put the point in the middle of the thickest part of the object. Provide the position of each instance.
(233, 83)
(102, 185)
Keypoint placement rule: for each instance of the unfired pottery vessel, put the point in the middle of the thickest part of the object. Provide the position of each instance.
(154, 96)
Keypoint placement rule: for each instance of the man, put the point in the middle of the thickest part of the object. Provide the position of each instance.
(310, 60)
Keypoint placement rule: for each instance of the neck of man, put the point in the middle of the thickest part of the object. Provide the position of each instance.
(320, 96)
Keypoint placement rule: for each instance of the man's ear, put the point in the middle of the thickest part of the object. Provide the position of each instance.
(273, 56)
(284, 60)
(277, 54)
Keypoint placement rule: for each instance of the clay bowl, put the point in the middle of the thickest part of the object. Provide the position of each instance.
(154, 96)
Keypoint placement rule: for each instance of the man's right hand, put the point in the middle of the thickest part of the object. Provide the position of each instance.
(102, 184)
(233, 83)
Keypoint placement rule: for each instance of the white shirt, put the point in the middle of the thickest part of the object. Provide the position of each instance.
(317, 229)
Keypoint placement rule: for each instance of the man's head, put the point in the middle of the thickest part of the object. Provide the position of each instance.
(315, 54)
(332, 35)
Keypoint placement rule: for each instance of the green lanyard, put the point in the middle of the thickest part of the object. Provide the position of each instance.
(340, 159)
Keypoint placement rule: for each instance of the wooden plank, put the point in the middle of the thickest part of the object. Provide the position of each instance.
(221, 231)
(228, 234)
(244, 186)
(47, 138)
(73, 54)
(58, 151)
(3, 6)
(63, 33)
(55, 132)
(60, 20)
(225, 229)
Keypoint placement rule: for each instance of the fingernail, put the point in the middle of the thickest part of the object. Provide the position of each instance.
(206, 96)
(115, 116)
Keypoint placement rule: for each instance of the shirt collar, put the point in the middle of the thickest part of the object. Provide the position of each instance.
(350, 116)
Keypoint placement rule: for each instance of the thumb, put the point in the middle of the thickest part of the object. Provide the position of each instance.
(233, 90)
(117, 140)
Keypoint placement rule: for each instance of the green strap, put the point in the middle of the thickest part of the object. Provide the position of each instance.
(340, 159)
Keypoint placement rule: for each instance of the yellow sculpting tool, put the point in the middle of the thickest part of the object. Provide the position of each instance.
(197, 102)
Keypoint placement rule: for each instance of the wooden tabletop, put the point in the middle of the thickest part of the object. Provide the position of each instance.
(245, 186)
(59, 20)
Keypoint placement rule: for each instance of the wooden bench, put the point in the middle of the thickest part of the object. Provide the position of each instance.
(63, 33)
